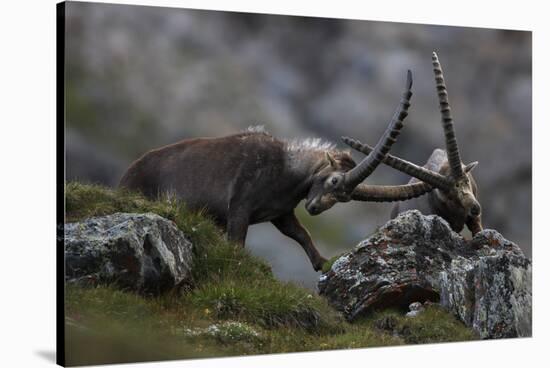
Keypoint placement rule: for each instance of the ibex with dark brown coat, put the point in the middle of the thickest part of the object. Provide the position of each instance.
(451, 186)
(252, 177)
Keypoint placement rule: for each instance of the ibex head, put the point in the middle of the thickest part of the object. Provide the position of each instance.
(460, 195)
(460, 187)
(327, 183)
(338, 176)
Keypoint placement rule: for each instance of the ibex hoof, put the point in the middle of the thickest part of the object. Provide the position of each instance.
(318, 266)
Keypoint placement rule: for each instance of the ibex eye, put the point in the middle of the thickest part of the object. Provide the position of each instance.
(334, 180)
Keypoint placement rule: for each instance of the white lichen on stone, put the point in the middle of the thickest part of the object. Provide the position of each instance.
(341, 263)
(226, 331)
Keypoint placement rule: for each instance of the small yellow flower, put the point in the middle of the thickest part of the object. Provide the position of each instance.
(207, 311)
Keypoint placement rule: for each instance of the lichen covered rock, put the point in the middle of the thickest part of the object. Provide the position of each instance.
(141, 252)
(486, 281)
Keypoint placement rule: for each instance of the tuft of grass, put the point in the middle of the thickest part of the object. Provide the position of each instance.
(221, 261)
(270, 304)
(433, 325)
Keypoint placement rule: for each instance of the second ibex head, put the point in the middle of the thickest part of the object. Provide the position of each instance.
(451, 186)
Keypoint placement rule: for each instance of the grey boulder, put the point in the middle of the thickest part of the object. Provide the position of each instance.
(485, 281)
(141, 252)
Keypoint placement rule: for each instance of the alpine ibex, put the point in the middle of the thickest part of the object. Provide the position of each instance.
(451, 186)
(252, 177)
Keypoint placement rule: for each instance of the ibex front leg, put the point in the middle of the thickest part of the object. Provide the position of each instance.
(291, 227)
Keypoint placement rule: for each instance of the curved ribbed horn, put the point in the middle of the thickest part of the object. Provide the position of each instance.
(447, 120)
(369, 163)
(421, 173)
(389, 193)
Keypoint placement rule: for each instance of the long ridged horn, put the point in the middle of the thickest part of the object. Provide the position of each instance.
(421, 173)
(389, 193)
(369, 163)
(453, 154)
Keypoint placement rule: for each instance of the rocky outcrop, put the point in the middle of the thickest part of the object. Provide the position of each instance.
(485, 281)
(141, 252)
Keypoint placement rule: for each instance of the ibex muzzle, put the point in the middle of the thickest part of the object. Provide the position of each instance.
(252, 177)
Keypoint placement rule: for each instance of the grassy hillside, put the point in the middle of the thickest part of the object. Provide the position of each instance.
(235, 307)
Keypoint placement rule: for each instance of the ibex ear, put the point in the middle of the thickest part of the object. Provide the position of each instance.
(330, 159)
(470, 166)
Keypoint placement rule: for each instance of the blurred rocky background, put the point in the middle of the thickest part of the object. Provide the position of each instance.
(141, 77)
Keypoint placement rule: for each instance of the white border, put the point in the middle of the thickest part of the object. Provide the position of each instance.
(27, 180)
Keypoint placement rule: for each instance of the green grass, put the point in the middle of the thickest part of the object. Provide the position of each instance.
(236, 306)
(123, 327)
(270, 304)
(104, 325)
(433, 325)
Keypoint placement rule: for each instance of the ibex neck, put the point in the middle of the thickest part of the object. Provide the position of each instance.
(305, 164)
(444, 207)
